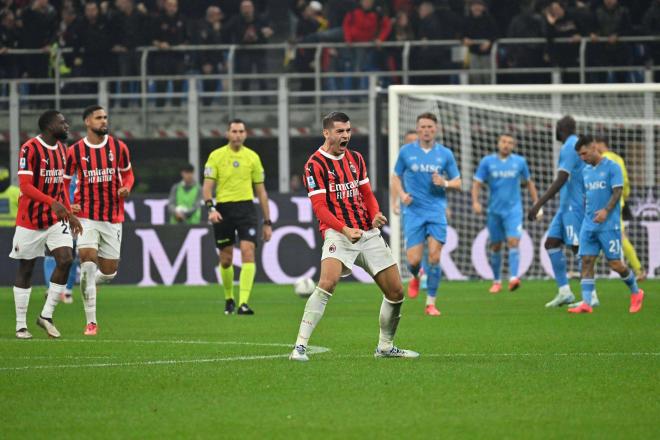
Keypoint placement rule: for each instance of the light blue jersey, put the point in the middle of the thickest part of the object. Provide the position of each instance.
(599, 181)
(571, 195)
(415, 167)
(504, 178)
(425, 216)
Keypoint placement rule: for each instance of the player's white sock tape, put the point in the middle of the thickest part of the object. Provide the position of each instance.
(53, 297)
(390, 314)
(313, 312)
(21, 300)
(88, 287)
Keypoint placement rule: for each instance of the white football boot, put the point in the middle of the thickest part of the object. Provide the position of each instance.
(299, 354)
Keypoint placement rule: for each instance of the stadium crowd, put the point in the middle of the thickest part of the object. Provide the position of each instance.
(103, 36)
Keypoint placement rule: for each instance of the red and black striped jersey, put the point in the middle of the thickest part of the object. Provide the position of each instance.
(339, 178)
(98, 169)
(46, 164)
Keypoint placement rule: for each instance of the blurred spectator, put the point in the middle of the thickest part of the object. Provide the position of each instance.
(563, 23)
(39, 32)
(92, 44)
(129, 27)
(296, 184)
(432, 24)
(66, 36)
(402, 30)
(612, 20)
(9, 39)
(365, 24)
(479, 25)
(527, 24)
(185, 201)
(210, 62)
(406, 6)
(169, 31)
(8, 199)
(651, 26)
(311, 21)
(336, 11)
(247, 29)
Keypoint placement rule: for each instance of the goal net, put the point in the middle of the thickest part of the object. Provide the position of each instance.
(471, 120)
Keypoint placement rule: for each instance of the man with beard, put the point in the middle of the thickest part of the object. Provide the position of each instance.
(43, 219)
(102, 165)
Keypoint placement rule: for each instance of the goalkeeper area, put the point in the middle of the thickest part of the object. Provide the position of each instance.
(471, 119)
(168, 364)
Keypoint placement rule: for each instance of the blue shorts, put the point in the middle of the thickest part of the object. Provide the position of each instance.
(417, 227)
(609, 241)
(503, 226)
(566, 227)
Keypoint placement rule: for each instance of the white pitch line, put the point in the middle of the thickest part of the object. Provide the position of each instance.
(312, 349)
(147, 363)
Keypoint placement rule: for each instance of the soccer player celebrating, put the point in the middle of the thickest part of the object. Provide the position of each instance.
(102, 165)
(428, 169)
(601, 228)
(43, 219)
(233, 171)
(504, 172)
(628, 249)
(349, 220)
(565, 225)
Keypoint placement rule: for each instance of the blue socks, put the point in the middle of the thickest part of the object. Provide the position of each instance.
(71, 281)
(588, 287)
(433, 279)
(496, 264)
(514, 262)
(558, 261)
(631, 282)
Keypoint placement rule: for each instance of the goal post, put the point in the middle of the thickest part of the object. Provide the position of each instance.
(471, 118)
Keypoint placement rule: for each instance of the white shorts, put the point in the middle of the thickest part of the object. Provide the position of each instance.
(370, 252)
(105, 237)
(29, 244)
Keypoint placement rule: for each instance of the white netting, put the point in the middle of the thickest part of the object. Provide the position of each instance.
(471, 123)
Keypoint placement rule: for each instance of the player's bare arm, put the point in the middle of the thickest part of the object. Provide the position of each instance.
(476, 190)
(207, 193)
(75, 226)
(438, 180)
(562, 177)
(262, 195)
(601, 214)
(398, 192)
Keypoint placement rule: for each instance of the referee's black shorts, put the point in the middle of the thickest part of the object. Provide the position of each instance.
(238, 218)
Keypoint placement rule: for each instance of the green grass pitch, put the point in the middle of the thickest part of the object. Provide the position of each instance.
(168, 364)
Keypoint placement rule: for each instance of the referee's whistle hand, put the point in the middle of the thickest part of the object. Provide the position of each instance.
(266, 232)
(215, 217)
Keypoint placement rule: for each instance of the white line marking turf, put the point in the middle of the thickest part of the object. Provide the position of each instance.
(312, 350)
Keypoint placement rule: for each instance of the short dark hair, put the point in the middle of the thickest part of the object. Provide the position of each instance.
(189, 168)
(566, 125)
(47, 118)
(410, 132)
(91, 109)
(582, 141)
(428, 115)
(332, 117)
(236, 121)
(507, 134)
